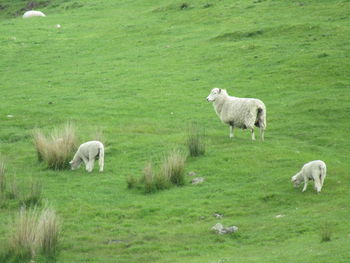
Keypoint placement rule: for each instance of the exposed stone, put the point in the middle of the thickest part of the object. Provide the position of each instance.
(220, 229)
(197, 180)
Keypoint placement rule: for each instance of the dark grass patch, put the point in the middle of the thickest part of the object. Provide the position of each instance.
(238, 35)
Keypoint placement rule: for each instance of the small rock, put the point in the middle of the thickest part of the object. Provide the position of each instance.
(217, 215)
(58, 26)
(197, 180)
(279, 216)
(220, 229)
(9, 116)
(192, 173)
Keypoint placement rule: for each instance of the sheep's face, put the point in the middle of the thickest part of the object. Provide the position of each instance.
(75, 164)
(296, 180)
(213, 94)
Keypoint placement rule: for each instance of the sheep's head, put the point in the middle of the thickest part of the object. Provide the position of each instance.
(75, 164)
(213, 94)
(296, 180)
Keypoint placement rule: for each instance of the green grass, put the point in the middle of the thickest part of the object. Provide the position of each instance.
(140, 72)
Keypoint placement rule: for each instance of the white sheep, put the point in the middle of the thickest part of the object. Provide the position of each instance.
(243, 113)
(33, 13)
(314, 170)
(88, 152)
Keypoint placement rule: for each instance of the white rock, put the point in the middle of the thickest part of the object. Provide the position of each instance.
(33, 13)
(197, 180)
(58, 26)
(9, 116)
(279, 216)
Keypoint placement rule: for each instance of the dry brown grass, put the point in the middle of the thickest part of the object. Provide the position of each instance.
(34, 232)
(174, 168)
(57, 148)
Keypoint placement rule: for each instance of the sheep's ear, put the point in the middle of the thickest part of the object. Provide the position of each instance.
(219, 90)
(71, 162)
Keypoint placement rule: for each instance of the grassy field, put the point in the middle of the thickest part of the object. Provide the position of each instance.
(140, 72)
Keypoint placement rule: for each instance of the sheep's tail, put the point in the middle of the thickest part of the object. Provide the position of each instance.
(261, 118)
(101, 157)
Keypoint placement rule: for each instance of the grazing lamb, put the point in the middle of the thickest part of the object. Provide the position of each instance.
(87, 153)
(33, 13)
(243, 113)
(315, 170)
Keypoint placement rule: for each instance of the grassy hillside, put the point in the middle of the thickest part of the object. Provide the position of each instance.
(140, 71)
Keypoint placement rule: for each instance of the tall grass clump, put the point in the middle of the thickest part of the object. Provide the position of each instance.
(98, 135)
(48, 232)
(33, 233)
(24, 239)
(57, 148)
(325, 232)
(173, 168)
(148, 177)
(195, 140)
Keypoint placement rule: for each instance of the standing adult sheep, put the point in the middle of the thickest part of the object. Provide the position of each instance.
(243, 113)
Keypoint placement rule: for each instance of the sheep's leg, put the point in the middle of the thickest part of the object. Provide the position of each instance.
(231, 132)
(318, 185)
(86, 161)
(91, 161)
(91, 165)
(305, 185)
(262, 133)
(253, 135)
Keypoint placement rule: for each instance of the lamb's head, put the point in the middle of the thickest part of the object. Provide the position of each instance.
(75, 164)
(214, 94)
(296, 180)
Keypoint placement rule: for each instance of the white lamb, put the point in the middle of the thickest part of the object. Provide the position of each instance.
(243, 113)
(33, 13)
(314, 170)
(88, 152)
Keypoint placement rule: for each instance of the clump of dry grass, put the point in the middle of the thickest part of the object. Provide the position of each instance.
(99, 136)
(48, 232)
(173, 168)
(148, 177)
(57, 148)
(34, 232)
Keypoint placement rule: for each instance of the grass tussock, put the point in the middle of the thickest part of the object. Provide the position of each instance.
(98, 135)
(57, 148)
(173, 168)
(34, 232)
(326, 232)
(195, 140)
(148, 178)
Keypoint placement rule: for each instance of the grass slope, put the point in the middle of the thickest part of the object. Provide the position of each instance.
(140, 70)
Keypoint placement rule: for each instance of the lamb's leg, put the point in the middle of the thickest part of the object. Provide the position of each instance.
(85, 160)
(91, 161)
(231, 132)
(91, 165)
(305, 184)
(253, 135)
(318, 185)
